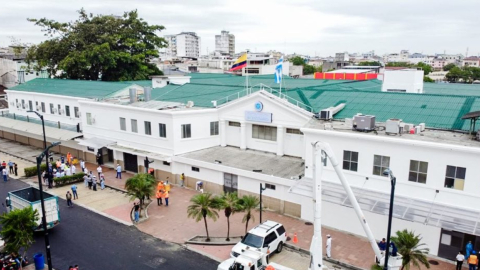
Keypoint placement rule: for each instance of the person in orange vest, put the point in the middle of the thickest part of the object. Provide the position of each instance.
(166, 196)
(159, 197)
(472, 261)
(160, 188)
(69, 158)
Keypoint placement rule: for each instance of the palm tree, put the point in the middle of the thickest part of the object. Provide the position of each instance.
(140, 186)
(413, 252)
(231, 204)
(249, 202)
(203, 206)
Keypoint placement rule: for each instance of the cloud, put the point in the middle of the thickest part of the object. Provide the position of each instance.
(303, 26)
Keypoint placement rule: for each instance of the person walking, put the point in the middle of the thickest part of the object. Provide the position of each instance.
(119, 171)
(5, 174)
(166, 196)
(472, 261)
(102, 181)
(4, 164)
(94, 183)
(90, 181)
(10, 166)
(69, 158)
(329, 246)
(74, 170)
(74, 191)
(69, 199)
(136, 211)
(468, 249)
(99, 171)
(82, 165)
(460, 258)
(85, 180)
(15, 168)
(159, 197)
(182, 180)
(50, 180)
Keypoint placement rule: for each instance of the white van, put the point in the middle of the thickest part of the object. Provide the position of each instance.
(267, 237)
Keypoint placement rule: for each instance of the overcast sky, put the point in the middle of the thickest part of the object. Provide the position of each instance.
(313, 27)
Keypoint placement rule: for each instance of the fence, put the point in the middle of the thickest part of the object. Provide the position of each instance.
(35, 120)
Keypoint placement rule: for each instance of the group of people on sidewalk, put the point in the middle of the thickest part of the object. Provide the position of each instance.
(12, 169)
(470, 255)
(162, 193)
(90, 180)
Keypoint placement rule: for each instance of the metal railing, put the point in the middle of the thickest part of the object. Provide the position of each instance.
(35, 120)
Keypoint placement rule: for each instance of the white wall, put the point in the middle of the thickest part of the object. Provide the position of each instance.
(294, 145)
(410, 81)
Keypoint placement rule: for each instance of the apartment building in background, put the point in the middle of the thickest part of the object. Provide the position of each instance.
(225, 43)
(183, 45)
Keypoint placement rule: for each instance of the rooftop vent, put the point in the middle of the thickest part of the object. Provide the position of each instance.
(133, 95)
(327, 114)
(147, 94)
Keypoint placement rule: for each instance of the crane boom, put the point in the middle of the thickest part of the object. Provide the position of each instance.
(322, 151)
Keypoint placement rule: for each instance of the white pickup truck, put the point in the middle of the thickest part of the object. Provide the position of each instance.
(30, 196)
(250, 260)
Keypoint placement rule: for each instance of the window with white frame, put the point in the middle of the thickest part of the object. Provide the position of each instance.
(148, 128)
(350, 161)
(234, 124)
(162, 130)
(59, 109)
(43, 106)
(23, 104)
(76, 111)
(380, 164)
(51, 108)
(264, 132)
(123, 124)
(186, 131)
(134, 125)
(455, 177)
(30, 105)
(418, 171)
(67, 110)
(89, 118)
(213, 128)
(294, 131)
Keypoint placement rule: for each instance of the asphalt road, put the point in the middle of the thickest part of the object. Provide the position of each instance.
(96, 242)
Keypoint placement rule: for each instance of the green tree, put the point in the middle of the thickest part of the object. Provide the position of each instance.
(308, 69)
(140, 186)
(454, 74)
(398, 64)
(297, 61)
(249, 203)
(426, 68)
(427, 79)
(448, 67)
(475, 73)
(203, 206)
(98, 47)
(231, 204)
(412, 250)
(18, 228)
(370, 63)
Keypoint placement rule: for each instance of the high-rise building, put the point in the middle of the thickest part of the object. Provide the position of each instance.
(225, 43)
(185, 44)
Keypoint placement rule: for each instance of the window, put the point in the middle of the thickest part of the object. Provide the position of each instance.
(162, 130)
(270, 186)
(213, 128)
(43, 106)
(264, 132)
(418, 171)
(281, 230)
(59, 109)
(380, 164)
(269, 239)
(166, 163)
(76, 112)
(89, 118)
(51, 108)
(350, 161)
(233, 124)
(23, 104)
(294, 131)
(36, 106)
(134, 125)
(195, 169)
(186, 131)
(30, 105)
(67, 110)
(148, 128)
(455, 177)
(123, 124)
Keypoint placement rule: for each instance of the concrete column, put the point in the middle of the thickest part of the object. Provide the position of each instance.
(223, 132)
(280, 140)
(243, 135)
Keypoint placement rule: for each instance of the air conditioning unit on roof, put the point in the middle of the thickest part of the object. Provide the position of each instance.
(392, 126)
(364, 122)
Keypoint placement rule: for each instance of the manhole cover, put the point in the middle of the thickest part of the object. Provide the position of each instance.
(308, 223)
(433, 262)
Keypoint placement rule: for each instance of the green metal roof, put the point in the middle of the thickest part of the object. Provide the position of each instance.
(73, 88)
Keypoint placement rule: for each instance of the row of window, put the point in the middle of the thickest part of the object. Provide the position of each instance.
(41, 107)
(266, 132)
(454, 176)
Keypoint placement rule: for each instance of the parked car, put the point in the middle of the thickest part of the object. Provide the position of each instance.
(267, 237)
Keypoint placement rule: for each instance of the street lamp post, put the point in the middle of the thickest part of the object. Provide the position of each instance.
(261, 191)
(393, 181)
(39, 161)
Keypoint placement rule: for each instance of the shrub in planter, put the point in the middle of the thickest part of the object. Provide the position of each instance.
(31, 171)
(68, 179)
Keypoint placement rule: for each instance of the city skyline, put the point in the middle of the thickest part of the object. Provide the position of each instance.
(305, 27)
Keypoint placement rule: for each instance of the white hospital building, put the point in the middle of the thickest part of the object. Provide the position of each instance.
(213, 129)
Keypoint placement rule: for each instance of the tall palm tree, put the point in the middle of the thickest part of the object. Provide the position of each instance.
(231, 204)
(203, 206)
(249, 203)
(413, 252)
(140, 186)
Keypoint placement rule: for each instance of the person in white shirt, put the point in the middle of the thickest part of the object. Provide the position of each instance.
(62, 174)
(82, 165)
(68, 171)
(62, 166)
(329, 246)
(460, 258)
(99, 170)
(73, 169)
(58, 174)
(5, 174)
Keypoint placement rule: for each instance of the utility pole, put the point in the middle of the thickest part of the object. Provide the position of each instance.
(261, 191)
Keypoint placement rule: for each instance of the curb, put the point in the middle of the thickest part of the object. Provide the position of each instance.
(203, 253)
(19, 157)
(224, 243)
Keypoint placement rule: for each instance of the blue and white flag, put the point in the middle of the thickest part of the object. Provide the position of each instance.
(279, 71)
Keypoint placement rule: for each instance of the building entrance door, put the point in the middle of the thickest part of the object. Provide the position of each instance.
(230, 183)
(131, 163)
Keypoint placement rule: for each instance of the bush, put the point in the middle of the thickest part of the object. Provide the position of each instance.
(68, 179)
(31, 171)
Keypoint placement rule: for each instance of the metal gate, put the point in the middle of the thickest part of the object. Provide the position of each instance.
(230, 183)
(130, 162)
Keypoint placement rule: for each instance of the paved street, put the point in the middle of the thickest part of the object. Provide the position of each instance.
(96, 242)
